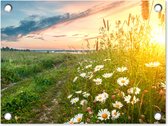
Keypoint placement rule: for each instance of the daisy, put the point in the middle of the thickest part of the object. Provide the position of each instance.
(78, 118)
(86, 94)
(74, 100)
(69, 96)
(107, 75)
(88, 66)
(98, 67)
(115, 114)
(83, 75)
(134, 100)
(78, 92)
(105, 95)
(134, 90)
(123, 81)
(127, 98)
(122, 69)
(103, 114)
(98, 81)
(71, 121)
(100, 98)
(152, 64)
(117, 104)
(74, 80)
(83, 102)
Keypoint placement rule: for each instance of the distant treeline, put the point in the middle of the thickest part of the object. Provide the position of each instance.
(44, 51)
(12, 49)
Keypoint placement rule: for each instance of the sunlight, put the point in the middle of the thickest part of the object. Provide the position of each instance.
(157, 35)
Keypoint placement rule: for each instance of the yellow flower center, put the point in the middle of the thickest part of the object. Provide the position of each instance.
(122, 81)
(115, 113)
(104, 116)
(79, 119)
(117, 106)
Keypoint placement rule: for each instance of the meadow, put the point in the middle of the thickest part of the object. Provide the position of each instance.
(123, 81)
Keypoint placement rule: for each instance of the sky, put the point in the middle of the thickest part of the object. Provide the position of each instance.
(59, 24)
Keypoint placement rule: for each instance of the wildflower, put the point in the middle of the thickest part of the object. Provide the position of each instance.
(101, 97)
(152, 64)
(98, 81)
(107, 60)
(127, 98)
(86, 94)
(123, 81)
(105, 95)
(107, 75)
(134, 100)
(70, 122)
(78, 118)
(69, 96)
(122, 69)
(134, 90)
(98, 67)
(163, 85)
(83, 75)
(78, 92)
(115, 114)
(74, 80)
(90, 112)
(88, 66)
(113, 97)
(83, 102)
(74, 100)
(117, 104)
(103, 114)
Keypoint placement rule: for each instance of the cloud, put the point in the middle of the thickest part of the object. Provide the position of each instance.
(57, 36)
(28, 25)
(35, 23)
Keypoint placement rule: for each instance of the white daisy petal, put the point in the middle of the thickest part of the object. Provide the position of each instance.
(98, 81)
(115, 114)
(123, 81)
(103, 114)
(74, 100)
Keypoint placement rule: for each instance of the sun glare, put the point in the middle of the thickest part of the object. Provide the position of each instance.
(158, 35)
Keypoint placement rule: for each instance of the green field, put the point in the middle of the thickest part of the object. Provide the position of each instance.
(44, 81)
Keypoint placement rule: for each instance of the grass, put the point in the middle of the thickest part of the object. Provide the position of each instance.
(14, 70)
(122, 82)
(32, 92)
